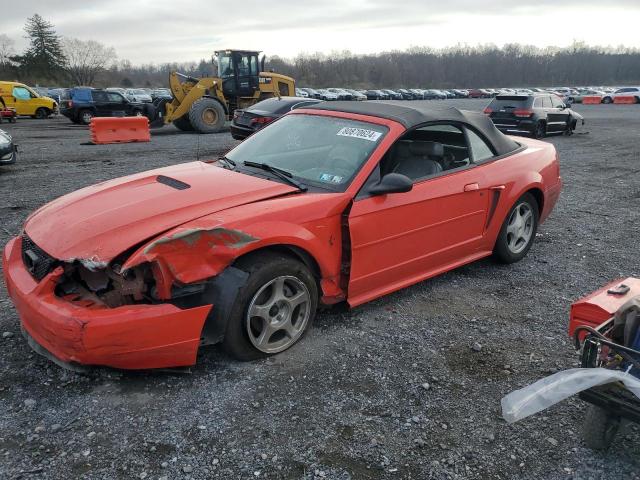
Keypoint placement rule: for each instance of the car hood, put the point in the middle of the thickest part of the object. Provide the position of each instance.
(101, 221)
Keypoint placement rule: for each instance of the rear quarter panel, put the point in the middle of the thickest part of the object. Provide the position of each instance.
(534, 167)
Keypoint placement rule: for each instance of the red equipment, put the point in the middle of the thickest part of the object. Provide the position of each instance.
(9, 114)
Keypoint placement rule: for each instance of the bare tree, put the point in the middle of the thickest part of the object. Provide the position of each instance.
(6, 49)
(86, 59)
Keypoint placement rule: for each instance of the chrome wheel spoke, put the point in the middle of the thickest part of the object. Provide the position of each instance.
(277, 292)
(297, 299)
(291, 330)
(265, 334)
(520, 228)
(261, 311)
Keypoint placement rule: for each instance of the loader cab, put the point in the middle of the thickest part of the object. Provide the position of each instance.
(239, 71)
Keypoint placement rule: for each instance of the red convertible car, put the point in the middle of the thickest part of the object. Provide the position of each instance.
(339, 202)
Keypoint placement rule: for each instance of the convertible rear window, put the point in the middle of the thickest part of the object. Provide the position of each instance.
(321, 151)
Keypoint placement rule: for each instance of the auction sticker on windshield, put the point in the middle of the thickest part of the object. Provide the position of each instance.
(363, 133)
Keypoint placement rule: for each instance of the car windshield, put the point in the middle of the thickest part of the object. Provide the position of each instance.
(319, 151)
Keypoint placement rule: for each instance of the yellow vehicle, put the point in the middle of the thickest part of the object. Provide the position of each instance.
(204, 104)
(26, 101)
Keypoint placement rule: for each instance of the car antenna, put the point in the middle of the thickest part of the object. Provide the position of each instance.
(198, 148)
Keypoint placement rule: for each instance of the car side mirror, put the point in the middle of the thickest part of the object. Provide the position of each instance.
(392, 183)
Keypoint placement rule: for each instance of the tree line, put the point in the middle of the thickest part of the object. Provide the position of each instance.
(52, 60)
(467, 67)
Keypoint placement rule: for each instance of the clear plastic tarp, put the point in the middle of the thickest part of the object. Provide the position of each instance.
(553, 389)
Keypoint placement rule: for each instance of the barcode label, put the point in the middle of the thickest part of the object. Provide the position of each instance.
(363, 133)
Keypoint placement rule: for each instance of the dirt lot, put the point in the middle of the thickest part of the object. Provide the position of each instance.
(392, 389)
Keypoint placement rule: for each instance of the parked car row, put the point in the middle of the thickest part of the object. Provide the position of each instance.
(568, 95)
(379, 94)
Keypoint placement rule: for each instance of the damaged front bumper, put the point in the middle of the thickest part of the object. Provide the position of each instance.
(128, 337)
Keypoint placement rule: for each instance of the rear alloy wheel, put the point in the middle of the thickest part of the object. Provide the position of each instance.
(42, 113)
(207, 115)
(518, 230)
(540, 130)
(273, 309)
(85, 117)
(607, 100)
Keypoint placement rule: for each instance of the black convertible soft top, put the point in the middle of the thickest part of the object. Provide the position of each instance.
(413, 115)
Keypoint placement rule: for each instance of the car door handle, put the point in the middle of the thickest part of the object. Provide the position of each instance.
(471, 187)
(497, 187)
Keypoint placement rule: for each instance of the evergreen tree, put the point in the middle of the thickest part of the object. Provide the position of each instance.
(44, 59)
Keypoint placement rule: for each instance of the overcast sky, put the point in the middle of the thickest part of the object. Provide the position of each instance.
(146, 31)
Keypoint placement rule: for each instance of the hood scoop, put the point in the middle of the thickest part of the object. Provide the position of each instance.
(172, 182)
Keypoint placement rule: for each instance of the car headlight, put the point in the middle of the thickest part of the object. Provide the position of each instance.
(4, 140)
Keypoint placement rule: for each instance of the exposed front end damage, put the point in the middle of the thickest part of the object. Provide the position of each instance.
(105, 286)
(100, 317)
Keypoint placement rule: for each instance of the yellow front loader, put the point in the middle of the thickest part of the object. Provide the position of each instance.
(204, 104)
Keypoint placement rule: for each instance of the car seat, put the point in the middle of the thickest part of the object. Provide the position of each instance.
(417, 159)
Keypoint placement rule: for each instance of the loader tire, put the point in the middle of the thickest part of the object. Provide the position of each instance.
(183, 124)
(207, 115)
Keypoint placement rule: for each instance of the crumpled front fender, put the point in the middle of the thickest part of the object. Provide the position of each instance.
(198, 251)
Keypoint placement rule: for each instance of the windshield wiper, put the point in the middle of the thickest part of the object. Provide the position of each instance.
(278, 172)
(230, 163)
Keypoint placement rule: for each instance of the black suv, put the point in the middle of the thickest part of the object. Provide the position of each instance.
(80, 105)
(537, 115)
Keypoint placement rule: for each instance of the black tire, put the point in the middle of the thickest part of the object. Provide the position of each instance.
(539, 130)
(183, 124)
(85, 116)
(41, 113)
(502, 250)
(570, 127)
(607, 99)
(599, 428)
(207, 115)
(262, 269)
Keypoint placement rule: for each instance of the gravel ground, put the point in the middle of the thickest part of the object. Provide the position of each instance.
(392, 389)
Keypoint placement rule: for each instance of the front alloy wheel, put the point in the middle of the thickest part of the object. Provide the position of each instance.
(278, 314)
(273, 308)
